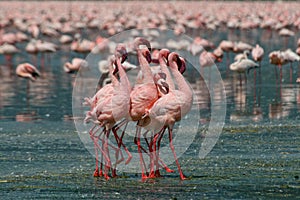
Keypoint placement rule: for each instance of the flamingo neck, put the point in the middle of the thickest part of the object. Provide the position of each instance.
(181, 83)
(165, 70)
(145, 68)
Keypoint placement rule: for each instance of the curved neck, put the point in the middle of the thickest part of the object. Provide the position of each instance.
(123, 76)
(145, 68)
(165, 70)
(181, 83)
(114, 79)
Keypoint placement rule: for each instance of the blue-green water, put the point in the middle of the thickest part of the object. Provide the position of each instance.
(257, 155)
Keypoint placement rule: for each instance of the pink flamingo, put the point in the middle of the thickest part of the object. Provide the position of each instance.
(171, 107)
(208, 59)
(226, 46)
(27, 70)
(291, 57)
(112, 106)
(257, 53)
(143, 95)
(75, 65)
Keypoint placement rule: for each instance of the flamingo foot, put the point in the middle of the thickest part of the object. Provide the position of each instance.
(114, 173)
(169, 170)
(157, 173)
(183, 177)
(96, 173)
(144, 177)
(152, 175)
(106, 177)
(101, 173)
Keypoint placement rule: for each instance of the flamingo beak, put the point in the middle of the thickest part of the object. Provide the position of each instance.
(163, 86)
(115, 68)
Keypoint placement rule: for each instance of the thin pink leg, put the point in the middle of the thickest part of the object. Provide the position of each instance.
(138, 142)
(291, 73)
(96, 172)
(106, 152)
(120, 141)
(182, 177)
(158, 148)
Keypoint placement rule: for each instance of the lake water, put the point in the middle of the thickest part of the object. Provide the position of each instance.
(256, 156)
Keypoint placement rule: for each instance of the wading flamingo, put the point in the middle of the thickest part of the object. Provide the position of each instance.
(110, 105)
(75, 65)
(171, 107)
(143, 95)
(243, 66)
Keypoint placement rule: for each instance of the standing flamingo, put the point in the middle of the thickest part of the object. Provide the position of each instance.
(143, 95)
(291, 57)
(243, 66)
(109, 105)
(28, 71)
(171, 107)
(75, 65)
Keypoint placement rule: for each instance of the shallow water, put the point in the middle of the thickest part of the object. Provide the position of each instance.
(256, 156)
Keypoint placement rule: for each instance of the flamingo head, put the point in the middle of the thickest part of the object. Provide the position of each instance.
(164, 53)
(146, 53)
(121, 52)
(160, 81)
(113, 61)
(180, 62)
(141, 41)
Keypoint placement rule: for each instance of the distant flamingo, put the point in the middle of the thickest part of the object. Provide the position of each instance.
(291, 57)
(208, 59)
(257, 53)
(243, 66)
(8, 50)
(28, 71)
(76, 64)
(226, 46)
(241, 56)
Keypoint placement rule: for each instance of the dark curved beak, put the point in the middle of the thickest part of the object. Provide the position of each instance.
(164, 87)
(250, 68)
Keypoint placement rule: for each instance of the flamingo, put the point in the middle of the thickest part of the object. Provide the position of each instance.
(241, 56)
(277, 58)
(143, 95)
(8, 50)
(243, 66)
(226, 46)
(290, 57)
(26, 70)
(171, 107)
(208, 59)
(75, 65)
(111, 108)
(257, 53)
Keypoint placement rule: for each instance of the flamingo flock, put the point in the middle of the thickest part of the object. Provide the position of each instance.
(76, 29)
(153, 103)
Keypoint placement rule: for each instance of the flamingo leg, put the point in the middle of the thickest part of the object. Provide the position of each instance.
(106, 151)
(120, 140)
(254, 88)
(291, 72)
(152, 152)
(158, 148)
(182, 176)
(138, 142)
